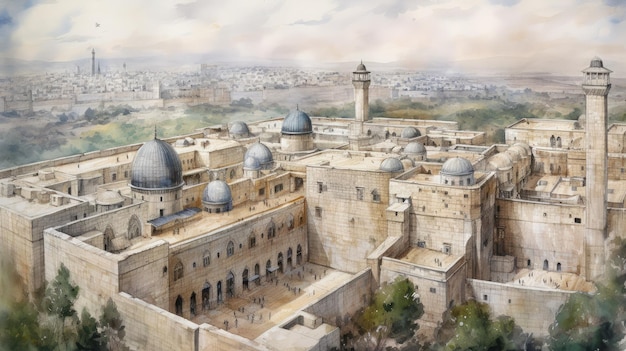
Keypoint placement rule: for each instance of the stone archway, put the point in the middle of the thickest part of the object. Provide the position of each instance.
(107, 238)
(230, 284)
(179, 305)
(244, 278)
(134, 227)
(206, 296)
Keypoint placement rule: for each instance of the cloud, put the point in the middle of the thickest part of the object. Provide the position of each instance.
(505, 2)
(323, 20)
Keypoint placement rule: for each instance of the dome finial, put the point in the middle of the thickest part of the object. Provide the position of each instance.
(155, 131)
(297, 107)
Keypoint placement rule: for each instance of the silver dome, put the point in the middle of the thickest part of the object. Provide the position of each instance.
(410, 132)
(251, 164)
(239, 128)
(156, 166)
(361, 67)
(415, 148)
(297, 122)
(391, 165)
(217, 192)
(261, 152)
(457, 166)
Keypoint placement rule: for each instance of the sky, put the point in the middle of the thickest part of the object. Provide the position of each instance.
(559, 36)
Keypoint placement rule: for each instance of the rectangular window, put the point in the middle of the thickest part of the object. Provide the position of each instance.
(433, 290)
(465, 196)
(359, 193)
(318, 212)
(261, 191)
(485, 297)
(447, 248)
(278, 188)
(252, 242)
(421, 243)
(577, 220)
(320, 187)
(114, 176)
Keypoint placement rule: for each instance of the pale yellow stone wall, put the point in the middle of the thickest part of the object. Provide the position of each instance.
(211, 338)
(458, 218)
(533, 309)
(190, 254)
(343, 231)
(539, 231)
(342, 303)
(438, 289)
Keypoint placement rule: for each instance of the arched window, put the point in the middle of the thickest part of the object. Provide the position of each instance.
(206, 296)
(244, 278)
(290, 222)
(230, 249)
(545, 265)
(252, 241)
(558, 266)
(178, 271)
(179, 305)
(271, 230)
(206, 259)
(289, 261)
(280, 262)
(232, 173)
(230, 284)
(192, 304)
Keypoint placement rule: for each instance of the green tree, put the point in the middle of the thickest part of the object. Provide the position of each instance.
(393, 313)
(60, 295)
(595, 321)
(470, 327)
(112, 327)
(89, 338)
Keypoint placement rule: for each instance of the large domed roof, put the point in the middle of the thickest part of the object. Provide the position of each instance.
(297, 122)
(251, 163)
(217, 192)
(457, 166)
(239, 128)
(391, 164)
(415, 148)
(409, 133)
(156, 166)
(261, 152)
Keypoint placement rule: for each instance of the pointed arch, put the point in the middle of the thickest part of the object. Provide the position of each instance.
(134, 227)
(107, 238)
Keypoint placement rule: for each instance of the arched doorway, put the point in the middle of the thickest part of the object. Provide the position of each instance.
(558, 266)
(244, 278)
(280, 262)
(299, 255)
(289, 260)
(268, 269)
(206, 296)
(257, 274)
(108, 239)
(134, 227)
(230, 284)
(545, 265)
(192, 304)
(179, 305)
(219, 292)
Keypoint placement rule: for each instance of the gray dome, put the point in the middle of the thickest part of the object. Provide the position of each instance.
(410, 132)
(156, 166)
(415, 148)
(217, 192)
(596, 62)
(251, 163)
(109, 197)
(457, 166)
(239, 128)
(261, 152)
(391, 165)
(297, 122)
(361, 67)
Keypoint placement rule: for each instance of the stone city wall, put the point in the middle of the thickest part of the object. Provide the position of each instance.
(212, 338)
(533, 309)
(535, 232)
(341, 304)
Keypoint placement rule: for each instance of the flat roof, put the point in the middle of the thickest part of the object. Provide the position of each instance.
(545, 124)
(32, 208)
(429, 258)
(355, 160)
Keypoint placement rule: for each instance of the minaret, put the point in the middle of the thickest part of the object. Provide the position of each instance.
(596, 85)
(93, 62)
(361, 82)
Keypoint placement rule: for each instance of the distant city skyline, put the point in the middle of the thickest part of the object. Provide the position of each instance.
(485, 35)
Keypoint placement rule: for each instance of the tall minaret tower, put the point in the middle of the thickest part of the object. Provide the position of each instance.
(596, 85)
(93, 62)
(361, 82)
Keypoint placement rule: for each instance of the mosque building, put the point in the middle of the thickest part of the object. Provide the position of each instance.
(273, 234)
